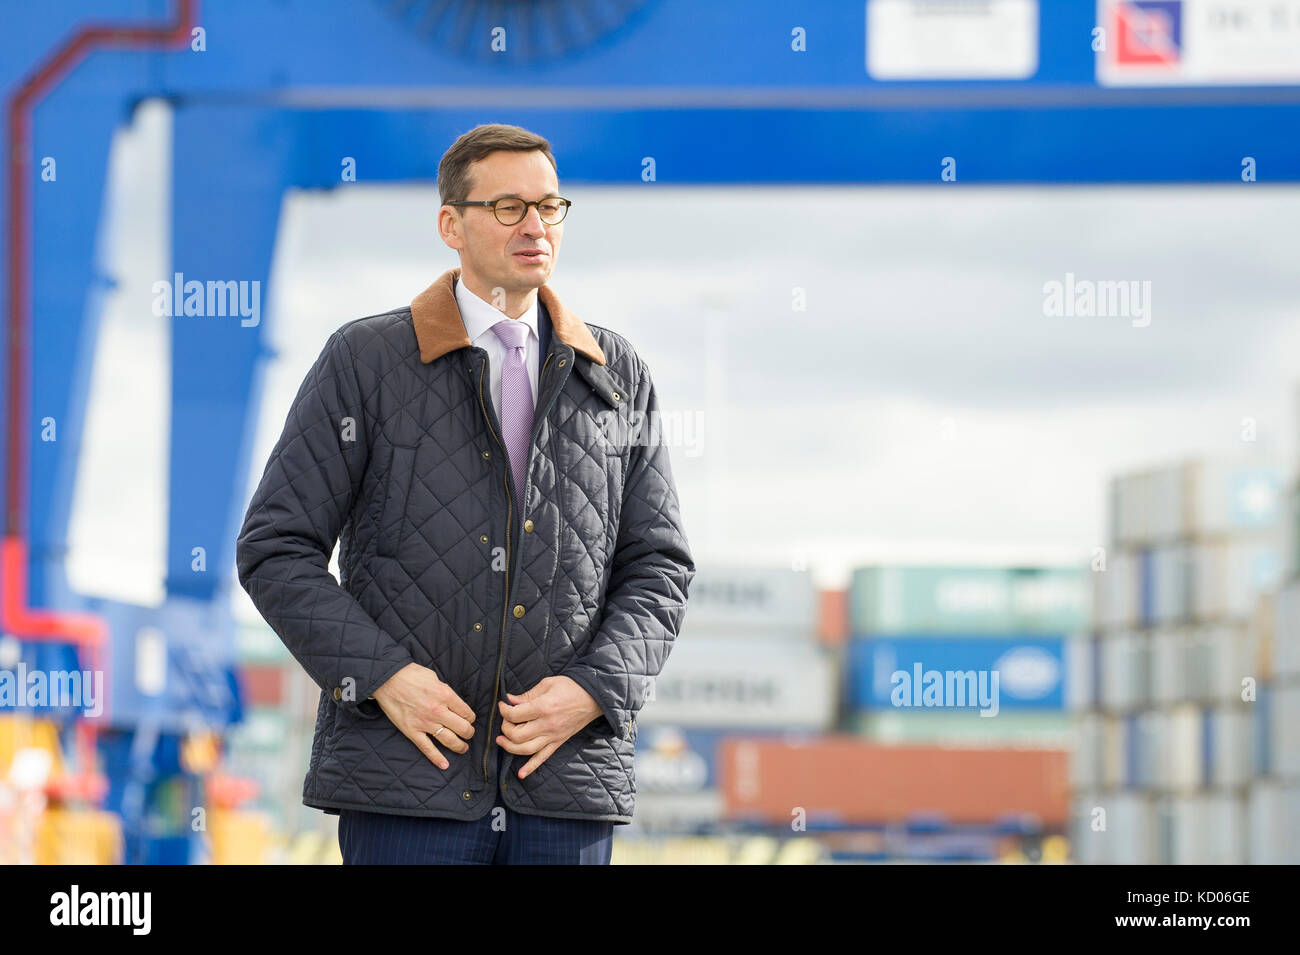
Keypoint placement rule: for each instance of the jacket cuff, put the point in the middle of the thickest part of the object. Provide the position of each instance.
(368, 706)
(588, 681)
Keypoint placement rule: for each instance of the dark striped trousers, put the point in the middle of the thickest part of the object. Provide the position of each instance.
(372, 838)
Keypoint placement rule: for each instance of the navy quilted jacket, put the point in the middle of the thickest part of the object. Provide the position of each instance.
(393, 444)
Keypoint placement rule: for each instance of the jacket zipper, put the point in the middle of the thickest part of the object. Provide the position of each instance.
(505, 609)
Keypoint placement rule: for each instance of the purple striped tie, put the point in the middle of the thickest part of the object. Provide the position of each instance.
(516, 400)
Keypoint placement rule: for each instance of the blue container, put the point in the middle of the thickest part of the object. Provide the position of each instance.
(953, 672)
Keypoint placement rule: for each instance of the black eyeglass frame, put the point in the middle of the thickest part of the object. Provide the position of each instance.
(492, 203)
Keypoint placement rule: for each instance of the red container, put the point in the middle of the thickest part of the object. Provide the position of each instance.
(862, 783)
(833, 617)
(263, 684)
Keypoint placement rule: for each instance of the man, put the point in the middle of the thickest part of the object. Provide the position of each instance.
(513, 569)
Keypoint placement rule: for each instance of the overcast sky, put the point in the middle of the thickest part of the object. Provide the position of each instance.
(923, 407)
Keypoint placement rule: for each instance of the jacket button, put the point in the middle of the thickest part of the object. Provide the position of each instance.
(615, 395)
(528, 526)
(519, 610)
(338, 693)
(487, 454)
(465, 795)
(483, 538)
(478, 626)
(562, 361)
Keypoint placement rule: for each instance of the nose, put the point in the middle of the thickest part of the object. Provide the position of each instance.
(532, 224)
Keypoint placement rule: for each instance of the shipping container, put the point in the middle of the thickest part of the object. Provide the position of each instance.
(262, 684)
(1273, 823)
(1081, 683)
(986, 673)
(1284, 729)
(1229, 744)
(1233, 496)
(1286, 633)
(1195, 499)
(1087, 752)
(1216, 662)
(1229, 576)
(1045, 729)
(860, 783)
(1125, 670)
(1115, 743)
(833, 617)
(740, 601)
(1132, 835)
(744, 682)
(935, 600)
(1119, 590)
(1167, 585)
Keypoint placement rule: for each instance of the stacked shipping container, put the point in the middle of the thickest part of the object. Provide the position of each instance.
(1168, 704)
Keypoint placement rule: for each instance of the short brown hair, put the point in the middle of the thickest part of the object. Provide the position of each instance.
(453, 172)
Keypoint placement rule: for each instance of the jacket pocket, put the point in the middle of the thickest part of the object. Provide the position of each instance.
(397, 491)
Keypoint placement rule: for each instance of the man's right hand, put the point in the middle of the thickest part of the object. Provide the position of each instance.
(426, 709)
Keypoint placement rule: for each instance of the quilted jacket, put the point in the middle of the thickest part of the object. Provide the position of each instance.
(393, 447)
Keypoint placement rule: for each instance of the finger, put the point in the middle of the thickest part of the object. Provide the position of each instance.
(521, 749)
(521, 713)
(521, 732)
(445, 737)
(457, 705)
(538, 759)
(448, 718)
(425, 745)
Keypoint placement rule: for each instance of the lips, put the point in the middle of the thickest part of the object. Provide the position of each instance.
(531, 253)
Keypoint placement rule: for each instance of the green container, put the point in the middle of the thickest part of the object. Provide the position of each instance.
(1035, 729)
(953, 601)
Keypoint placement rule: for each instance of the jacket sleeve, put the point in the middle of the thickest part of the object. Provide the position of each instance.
(651, 572)
(307, 491)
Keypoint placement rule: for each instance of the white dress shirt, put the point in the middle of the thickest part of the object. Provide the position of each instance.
(479, 317)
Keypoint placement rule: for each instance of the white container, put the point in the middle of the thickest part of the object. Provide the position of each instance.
(1228, 577)
(1129, 509)
(1080, 682)
(1284, 730)
(1230, 744)
(1168, 665)
(1125, 669)
(744, 682)
(1089, 845)
(1171, 579)
(1166, 503)
(1146, 736)
(1113, 752)
(1232, 496)
(1119, 587)
(740, 601)
(1286, 632)
(1217, 661)
(1086, 752)
(1131, 836)
(1177, 752)
(1273, 823)
(1206, 828)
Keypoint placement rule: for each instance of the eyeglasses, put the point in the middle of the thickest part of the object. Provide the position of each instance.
(510, 210)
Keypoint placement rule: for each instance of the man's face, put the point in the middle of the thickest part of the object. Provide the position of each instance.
(491, 254)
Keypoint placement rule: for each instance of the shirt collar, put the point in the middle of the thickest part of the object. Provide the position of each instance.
(479, 316)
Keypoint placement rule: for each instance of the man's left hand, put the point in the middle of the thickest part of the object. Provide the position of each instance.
(541, 720)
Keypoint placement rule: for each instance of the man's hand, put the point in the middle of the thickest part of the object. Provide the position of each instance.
(422, 706)
(542, 719)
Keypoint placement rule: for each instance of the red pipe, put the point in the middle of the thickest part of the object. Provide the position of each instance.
(86, 630)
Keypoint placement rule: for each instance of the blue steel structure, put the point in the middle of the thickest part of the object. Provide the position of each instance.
(282, 91)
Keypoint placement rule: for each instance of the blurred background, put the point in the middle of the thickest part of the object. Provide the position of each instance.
(973, 323)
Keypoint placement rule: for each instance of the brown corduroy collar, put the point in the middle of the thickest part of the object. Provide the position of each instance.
(440, 329)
